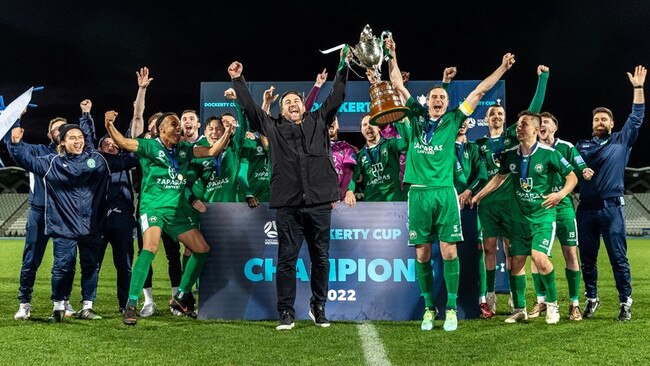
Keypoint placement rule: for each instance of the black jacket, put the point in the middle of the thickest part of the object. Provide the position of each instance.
(302, 169)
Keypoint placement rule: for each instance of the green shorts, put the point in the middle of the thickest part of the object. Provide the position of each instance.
(567, 229)
(433, 214)
(526, 236)
(173, 222)
(495, 218)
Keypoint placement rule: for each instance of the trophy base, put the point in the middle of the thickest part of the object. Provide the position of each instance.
(386, 106)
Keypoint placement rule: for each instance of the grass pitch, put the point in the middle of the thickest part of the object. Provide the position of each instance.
(164, 339)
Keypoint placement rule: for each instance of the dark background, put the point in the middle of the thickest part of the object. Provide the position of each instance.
(81, 50)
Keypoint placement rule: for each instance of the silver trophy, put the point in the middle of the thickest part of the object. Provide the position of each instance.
(369, 53)
(386, 105)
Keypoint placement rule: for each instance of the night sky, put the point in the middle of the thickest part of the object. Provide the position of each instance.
(81, 50)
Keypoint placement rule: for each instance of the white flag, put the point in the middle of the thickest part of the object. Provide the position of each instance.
(13, 111)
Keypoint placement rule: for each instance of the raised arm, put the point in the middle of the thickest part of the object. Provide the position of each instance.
(630, 130)
(217, 147)
(394, 71)
(333, 102)
(256, 116)
(447, 76)
(122, 142)
(22, 156)
(86, 124)
(540, 91)
(137, 123)
(484, 86)
(240, 132)
(268, 98)
(313, 93)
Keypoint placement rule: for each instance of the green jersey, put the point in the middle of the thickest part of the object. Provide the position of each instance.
(532, 178)
(254, 171)
(571, 154)
(380, 168)
(491, 150)
(164, 174)
(474, 173)
(216, 175)
(430, 155)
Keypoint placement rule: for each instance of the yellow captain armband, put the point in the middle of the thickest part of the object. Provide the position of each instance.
(466, 109)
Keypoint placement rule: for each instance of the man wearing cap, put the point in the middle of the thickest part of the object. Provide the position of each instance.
(600, 211)
(77, 174)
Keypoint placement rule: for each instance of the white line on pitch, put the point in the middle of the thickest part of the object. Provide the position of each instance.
(373, 348)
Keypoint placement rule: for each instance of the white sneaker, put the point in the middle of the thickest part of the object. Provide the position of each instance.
(148, 309)
(69, 310)
(552, 313)
(24, 311)
(518, 315)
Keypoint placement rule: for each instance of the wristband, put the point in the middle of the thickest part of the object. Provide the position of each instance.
(638, 87)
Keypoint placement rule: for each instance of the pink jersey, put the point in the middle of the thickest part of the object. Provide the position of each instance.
(345, 158)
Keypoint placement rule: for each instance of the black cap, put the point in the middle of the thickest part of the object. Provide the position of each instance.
(63, 129)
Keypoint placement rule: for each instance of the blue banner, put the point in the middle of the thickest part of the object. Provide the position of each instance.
(372, 274)
(357, 99)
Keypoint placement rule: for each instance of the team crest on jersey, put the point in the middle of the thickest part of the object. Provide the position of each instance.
(182, 154)
(539, 168)
(466, 155)
(161, 155)
(206, 163)
(91, 163)
(483, 148)
(260, 150)
(363, 159)
(413, 235)
(506, 142)
(512, 167)
(526, 185)
(384, 152)
(153, 219)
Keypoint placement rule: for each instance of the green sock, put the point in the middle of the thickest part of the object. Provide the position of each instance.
(573, 278)
(451, 272)
(184, 260)
(538, 285)
(139, 275)
(424, 275)
(192, 271)
(519, 293)
(549, 283)
(489, 279)
(482, 277)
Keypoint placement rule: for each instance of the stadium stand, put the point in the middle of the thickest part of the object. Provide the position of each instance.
(13, 214)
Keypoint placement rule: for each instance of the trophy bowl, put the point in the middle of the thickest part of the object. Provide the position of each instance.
(386, 106)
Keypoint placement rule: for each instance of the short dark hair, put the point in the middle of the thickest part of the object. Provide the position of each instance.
(437, 86)
(213, 118)
(190, 111)
(162, 117)
(549, 115)
(603, 110)
(55, 120)
(528, 113)
(300, 95)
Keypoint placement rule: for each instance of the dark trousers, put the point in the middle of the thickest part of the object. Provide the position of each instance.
(610, 223)
(118, 231)
(35, 244)
(313, 225)
(63, 268)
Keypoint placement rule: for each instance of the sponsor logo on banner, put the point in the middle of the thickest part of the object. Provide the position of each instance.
(271, 231)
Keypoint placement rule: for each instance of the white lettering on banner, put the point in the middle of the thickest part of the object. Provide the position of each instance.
(377, 270)
(362, 234)
(341, 295)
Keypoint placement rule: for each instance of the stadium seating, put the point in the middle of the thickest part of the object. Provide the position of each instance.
(637, 218)
(13, 212)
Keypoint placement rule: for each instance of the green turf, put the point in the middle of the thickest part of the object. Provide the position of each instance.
(165, 339)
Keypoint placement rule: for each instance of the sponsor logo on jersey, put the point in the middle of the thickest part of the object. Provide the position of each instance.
(427, 149)
(271, 231)
(153, 219)
(91, 163)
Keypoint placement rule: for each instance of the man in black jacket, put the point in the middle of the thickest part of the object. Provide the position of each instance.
(303, 186)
